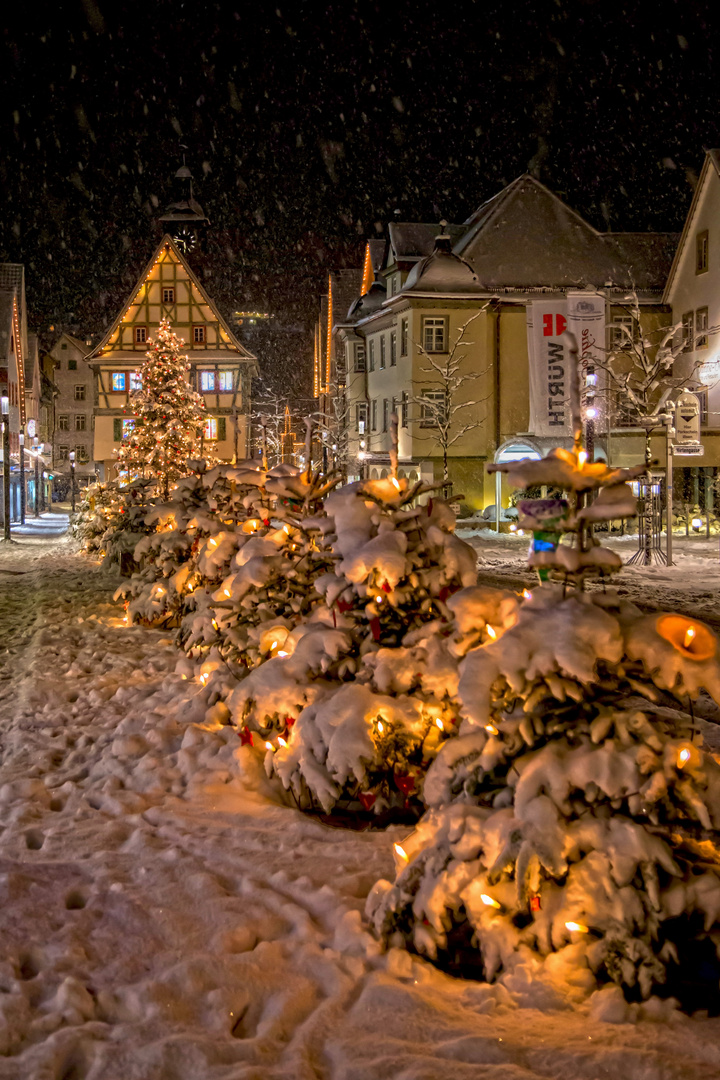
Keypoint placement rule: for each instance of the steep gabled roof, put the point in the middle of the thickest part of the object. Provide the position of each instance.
(75, 342)
(525, 237)
(710, 164)
(168, 243)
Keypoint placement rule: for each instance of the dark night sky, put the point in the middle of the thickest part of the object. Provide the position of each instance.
(307, 125)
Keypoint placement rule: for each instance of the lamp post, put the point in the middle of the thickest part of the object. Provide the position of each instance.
(21, 439)
(5, 408)
(72, 479)
(36, 451)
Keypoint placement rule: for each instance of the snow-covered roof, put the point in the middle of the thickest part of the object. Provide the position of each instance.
(377, 253)
(367, 304)
(442, 272)
(525, 237)
(411, 241)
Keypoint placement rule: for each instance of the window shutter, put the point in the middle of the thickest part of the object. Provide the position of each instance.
(117, 429)
(221, 428)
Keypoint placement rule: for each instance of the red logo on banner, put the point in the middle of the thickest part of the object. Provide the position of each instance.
(560, 325)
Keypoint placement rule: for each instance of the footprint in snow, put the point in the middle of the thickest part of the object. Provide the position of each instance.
(75, 900)
(34, 839)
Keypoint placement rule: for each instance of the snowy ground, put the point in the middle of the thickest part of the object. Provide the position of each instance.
(691, 585)
(161, 917)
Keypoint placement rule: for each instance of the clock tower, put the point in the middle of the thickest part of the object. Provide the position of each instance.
(184, 219)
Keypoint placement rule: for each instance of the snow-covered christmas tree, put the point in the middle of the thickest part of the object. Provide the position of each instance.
(111, 520)
(353, 702)
(572, 835)
(168, 415)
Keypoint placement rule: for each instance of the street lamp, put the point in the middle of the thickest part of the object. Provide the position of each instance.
(21, 440)
(72, 478)
(36, 451)
(5, 410)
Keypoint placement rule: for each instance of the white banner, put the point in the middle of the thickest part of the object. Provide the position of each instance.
(548, 361)
(586, 320)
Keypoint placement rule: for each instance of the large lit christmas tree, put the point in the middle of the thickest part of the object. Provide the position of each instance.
(168, 415)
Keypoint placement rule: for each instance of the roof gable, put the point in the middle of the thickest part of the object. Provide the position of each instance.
(169, 289)
(710, 169)
(525, 237)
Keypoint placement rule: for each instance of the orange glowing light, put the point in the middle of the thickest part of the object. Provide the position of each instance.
(692, 639)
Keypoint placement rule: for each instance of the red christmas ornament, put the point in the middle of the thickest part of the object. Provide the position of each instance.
(534, 903)
(405, 783)
(246, 736)
(385, 587)
(290, 720)
(375, 627)
(343, 606)
(367, 799)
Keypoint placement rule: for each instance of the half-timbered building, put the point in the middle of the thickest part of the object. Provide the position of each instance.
(221, 368)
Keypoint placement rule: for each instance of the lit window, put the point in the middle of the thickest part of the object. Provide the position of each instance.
(136, 380)
(434, 334)
(211, 428)
(80, 392)
(168, 296)
(701, 328)
(140, 335)
(207, 382)
(118, 381)
(127, 427)
(198, 334)
(80, 422)
(225, 382)
(63, 423)
(701, 252)
(361, 417)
